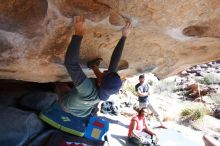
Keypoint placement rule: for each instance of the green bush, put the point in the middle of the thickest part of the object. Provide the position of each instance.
(194, 113)
(130, 87)
(198, 113)
(166, 86)
(186, 112)
(211, 78)
(216, 98)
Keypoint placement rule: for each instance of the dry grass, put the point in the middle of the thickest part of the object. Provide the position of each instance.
(194, 112)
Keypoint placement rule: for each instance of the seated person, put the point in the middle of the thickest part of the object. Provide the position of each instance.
(138, 129)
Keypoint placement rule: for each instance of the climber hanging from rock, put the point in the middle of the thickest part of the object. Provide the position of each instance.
(80, 101)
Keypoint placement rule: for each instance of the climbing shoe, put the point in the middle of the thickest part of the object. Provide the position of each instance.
(123, 64)
(95, 62)
(162, 126)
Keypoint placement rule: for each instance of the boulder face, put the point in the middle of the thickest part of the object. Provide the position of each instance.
(168, 36)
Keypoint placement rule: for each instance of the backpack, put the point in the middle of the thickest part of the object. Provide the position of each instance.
(97, 128)
(108, 107)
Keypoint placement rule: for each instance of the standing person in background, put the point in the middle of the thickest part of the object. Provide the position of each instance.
(142, 89)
